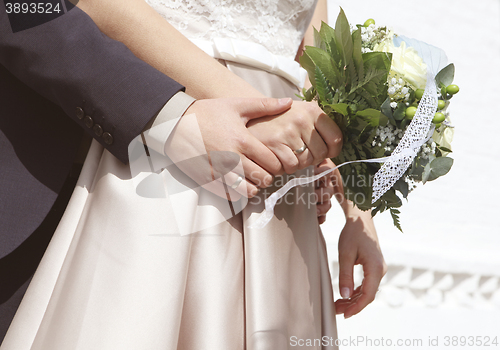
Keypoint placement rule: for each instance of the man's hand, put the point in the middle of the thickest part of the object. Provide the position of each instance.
(304, 124)
(213, 133)
(358, 244)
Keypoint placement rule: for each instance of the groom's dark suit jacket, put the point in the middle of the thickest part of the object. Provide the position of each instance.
(59, 80)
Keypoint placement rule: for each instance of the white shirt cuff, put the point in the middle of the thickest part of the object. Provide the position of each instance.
(166, 120)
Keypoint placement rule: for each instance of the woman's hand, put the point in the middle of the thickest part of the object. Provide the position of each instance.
(304, 124)
(358, 245)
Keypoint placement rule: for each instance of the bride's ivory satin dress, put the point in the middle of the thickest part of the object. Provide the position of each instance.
(118, 275)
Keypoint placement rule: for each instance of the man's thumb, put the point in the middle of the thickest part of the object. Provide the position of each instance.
(257, 108)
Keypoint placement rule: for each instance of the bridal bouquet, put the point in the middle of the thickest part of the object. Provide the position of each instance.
(373, 84)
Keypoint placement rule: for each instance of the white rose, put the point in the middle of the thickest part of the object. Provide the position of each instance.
(444, 138)
(405, 62)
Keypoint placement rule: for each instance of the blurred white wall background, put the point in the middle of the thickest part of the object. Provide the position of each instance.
(444, 270)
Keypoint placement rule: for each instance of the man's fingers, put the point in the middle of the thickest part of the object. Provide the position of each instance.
(252, 108)
(331, 134)
(265, 160)
(288, 159)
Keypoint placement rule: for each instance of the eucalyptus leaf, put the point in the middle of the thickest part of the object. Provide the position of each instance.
(399, 112)
(446, 75)
(387, 110)
(402, 186)
(439, 167)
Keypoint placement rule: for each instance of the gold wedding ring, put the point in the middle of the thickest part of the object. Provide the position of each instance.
(301, 149)
(237, 182)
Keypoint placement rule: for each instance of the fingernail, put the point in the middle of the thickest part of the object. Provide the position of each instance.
(284, 101)
(346, 317)
(345, 293)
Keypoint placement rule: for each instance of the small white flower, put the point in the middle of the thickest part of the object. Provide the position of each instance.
(404, 90)
(364, 37)
(394, 105)
(394, 81)
(391, 90)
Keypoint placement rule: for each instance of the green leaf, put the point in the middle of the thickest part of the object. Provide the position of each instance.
(392, 199)
(307, 63)
(341, 108)
(371, 116)
(446, 75)
(395, 219)
(318, 40)
(399, 112)
(327, 33)
(444, 149)
(323, 88)
(357, 54)
(402, 186)
(343, 39)
(378, 60)
(439, 167)
(387, 110)
(314, 56)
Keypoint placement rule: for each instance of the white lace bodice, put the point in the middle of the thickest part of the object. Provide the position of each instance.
(265, 34)
(278, 25)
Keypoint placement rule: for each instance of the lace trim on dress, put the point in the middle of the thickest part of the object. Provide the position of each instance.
(276, 25)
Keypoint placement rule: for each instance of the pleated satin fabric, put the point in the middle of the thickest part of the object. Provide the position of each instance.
(118, 275)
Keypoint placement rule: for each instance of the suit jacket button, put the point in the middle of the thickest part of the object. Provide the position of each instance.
(97, 129)
(88, 121)
(108, 139)
(79, 113)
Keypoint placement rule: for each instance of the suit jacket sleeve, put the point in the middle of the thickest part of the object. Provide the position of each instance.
(97, 81)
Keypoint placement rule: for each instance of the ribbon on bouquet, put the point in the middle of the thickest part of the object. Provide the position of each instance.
(271, 201)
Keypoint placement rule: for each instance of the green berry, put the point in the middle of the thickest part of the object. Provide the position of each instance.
(368, 22)
(452, 89)
(410, 112)
(441, 104)
(419, 93)
(438, 126)
(438, 118)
